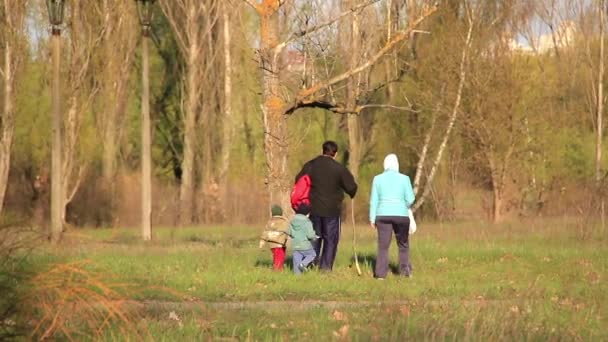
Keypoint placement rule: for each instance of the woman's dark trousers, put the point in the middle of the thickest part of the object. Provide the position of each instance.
(386, 225)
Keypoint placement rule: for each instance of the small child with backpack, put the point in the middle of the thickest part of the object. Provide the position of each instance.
(301, 233)
(275, 235)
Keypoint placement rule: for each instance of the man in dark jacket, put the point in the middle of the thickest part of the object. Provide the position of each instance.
(329, 182)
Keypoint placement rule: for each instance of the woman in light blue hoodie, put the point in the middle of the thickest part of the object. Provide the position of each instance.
(391, 198)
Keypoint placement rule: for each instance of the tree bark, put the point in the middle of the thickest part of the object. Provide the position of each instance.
(600, 101)
(352, 89)
(497, 188)
(228, 121)
(56, 164)
(275, 124)
(186, 193)
(11, 34)
(146, 145)
(7, 122)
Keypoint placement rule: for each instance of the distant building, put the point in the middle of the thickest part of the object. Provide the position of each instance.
(295, 61)
(561, 38)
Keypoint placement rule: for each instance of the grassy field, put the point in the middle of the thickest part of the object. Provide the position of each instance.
(538, 280)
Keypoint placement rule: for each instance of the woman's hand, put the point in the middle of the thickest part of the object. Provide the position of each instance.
(373, 225)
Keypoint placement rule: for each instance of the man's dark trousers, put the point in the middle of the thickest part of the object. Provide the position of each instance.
(328, 229)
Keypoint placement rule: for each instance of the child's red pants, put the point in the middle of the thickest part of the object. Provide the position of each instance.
(278, 258)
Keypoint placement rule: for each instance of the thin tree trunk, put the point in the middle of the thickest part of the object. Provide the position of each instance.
(497, 188)
(146, 144)
(186, 195)
(56, 164)
(455, 109)
(7, 123)
(71, 132)
(497, 206)
(353, 121)
(424, 153)
(600, 101)
(600, 115)
(228, 124)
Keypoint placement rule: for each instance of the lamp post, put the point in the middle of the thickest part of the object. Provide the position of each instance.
(56, 9)
(144, 8)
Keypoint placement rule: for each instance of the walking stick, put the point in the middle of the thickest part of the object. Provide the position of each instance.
(352, 216)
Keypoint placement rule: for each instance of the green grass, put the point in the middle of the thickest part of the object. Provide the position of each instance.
(472, 281)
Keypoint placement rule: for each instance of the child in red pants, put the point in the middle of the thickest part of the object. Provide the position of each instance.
(275, 235)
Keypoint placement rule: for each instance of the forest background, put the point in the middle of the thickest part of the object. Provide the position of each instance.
(493, 107)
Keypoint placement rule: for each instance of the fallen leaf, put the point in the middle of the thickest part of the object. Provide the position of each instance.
(339, 316)
(405, 310)
(593, 277)
(342, 333)
(507, 257)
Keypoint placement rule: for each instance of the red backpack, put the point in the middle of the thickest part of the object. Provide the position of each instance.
(301, 191)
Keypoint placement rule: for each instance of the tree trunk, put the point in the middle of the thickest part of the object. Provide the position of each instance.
(72, 173)
(600, 101)
(454, 114)
(498, 183)
(355, 143)
(228, 124)
(56, 165)
(146, 145)
(496, 205)
(7, 123)
(116, 59)
(275, 124)
(186, 194)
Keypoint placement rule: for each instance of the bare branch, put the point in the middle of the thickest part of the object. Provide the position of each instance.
(403, 35)
(322, 25)
(407, 109)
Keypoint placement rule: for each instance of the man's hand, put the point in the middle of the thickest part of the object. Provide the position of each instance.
(373, 225)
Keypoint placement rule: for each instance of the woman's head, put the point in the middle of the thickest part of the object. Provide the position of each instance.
(391, 162)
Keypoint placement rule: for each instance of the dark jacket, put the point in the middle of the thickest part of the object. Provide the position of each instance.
(330, 180)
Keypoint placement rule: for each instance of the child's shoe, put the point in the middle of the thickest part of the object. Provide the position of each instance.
(302, 268)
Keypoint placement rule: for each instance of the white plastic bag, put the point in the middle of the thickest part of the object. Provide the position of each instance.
(412, 222)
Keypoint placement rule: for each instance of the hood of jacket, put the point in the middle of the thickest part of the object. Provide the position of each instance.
(391, 163)
(298, 223)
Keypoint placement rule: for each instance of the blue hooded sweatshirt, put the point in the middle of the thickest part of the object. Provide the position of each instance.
(392, 193)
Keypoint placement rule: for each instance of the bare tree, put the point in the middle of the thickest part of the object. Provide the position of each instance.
(12, 38)
(84, 37)
(115, 60)
(227, 120)
(462, 76)
(276, 103)
(192, 27)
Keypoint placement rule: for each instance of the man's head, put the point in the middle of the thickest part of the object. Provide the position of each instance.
(276, 210)
(303, 209)
(330, 149)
